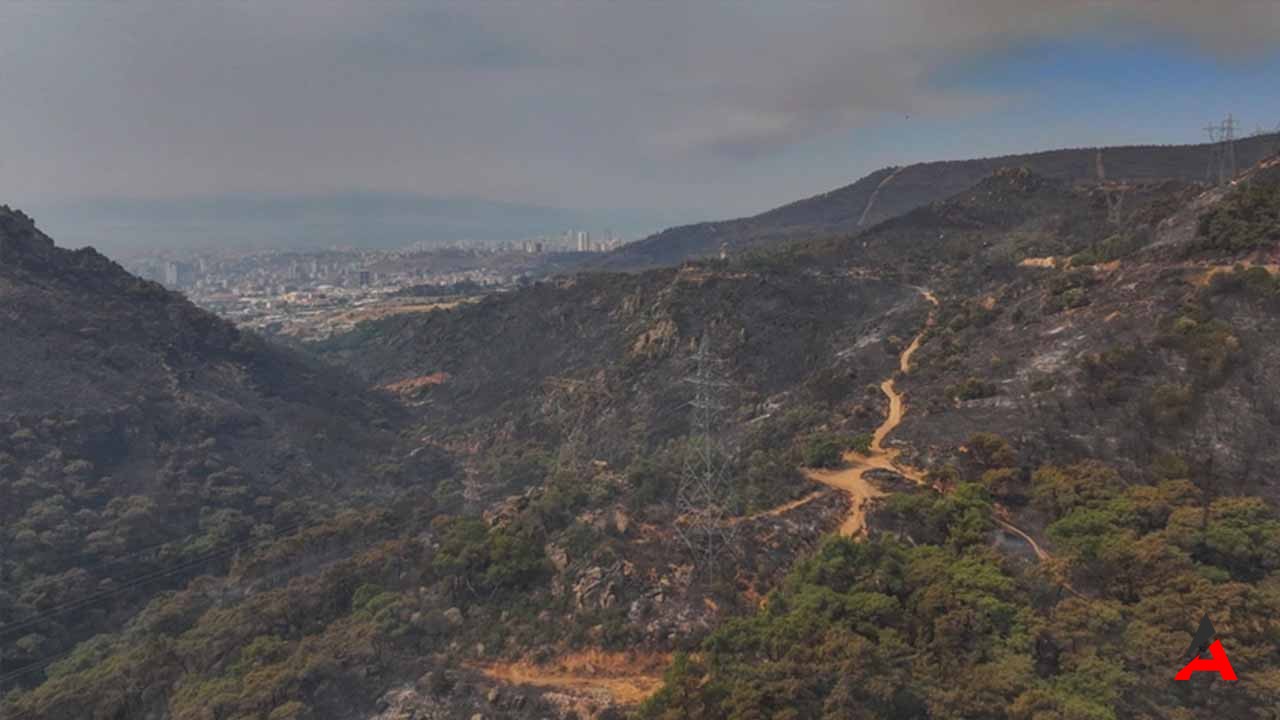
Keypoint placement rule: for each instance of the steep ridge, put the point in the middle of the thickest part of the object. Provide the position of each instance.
(892, 192)
(139, 433)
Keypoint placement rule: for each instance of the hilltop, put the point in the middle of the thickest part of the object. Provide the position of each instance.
(890, 192)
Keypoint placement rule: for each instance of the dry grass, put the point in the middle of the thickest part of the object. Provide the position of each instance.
(415, 384)
(615, 677)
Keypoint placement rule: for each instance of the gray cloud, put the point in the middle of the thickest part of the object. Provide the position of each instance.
(569, 104)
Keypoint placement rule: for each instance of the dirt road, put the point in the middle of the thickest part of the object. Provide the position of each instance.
(852, 477)
(609, 678)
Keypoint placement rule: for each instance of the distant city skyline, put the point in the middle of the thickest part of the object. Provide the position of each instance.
(130, 228)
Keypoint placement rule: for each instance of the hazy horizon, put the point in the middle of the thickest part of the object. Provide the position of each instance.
(676, 114)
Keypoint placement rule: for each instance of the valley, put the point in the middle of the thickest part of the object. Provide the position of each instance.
(595, 360)
(932, 444)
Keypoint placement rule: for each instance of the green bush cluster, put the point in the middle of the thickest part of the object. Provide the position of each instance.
(822, 450)
(1209, 344)
(946, 627)
(1068, 289)
(1114, 247)
(826, 450)
(489, 559)
(972, 389)
(1248, 218)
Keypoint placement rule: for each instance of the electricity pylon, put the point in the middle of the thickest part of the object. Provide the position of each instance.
(704, 497)
(1222, 157)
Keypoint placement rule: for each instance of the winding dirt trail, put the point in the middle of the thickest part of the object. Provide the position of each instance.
(1040, 552)
(626, 679)
(852, 477)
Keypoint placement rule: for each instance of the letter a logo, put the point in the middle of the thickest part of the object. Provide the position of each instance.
(1206, 654)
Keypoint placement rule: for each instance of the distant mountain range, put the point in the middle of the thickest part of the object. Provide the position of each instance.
(122, 227)
(894, 191)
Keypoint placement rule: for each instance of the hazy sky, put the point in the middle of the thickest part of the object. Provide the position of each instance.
(718, 108)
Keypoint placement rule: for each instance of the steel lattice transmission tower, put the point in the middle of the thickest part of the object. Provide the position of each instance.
(1222, 158)
(704, 498)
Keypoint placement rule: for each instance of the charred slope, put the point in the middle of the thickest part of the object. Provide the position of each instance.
(1146, 337)
(1093, 321)
(608, 354)
(891, 192)
(138, 433)
(1151, 344)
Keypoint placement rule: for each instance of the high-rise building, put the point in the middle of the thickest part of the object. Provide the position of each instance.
(177, 274)
(584, 241)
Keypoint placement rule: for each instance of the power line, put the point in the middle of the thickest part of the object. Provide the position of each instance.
(51, 612)
(1222, 155)
(33, 667)
(142, 579)
(84, 602)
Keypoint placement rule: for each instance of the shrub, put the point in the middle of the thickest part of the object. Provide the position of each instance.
(1068, 290)
(821, 451)
(1113, 248)
(1043, 383)
(1170, 466)
(991, 451)
(861, 443)
(493, 558)
(1246, 219)
(1171, 402)
(1059, 490)
(1256, 282)
(650, 481)
(971, 389)
(1210, 344)
(1002, 482)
